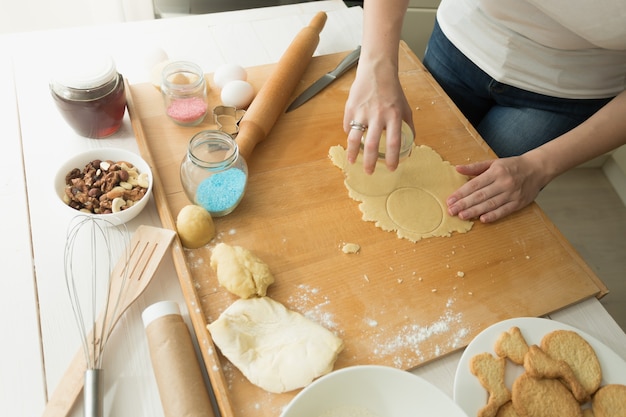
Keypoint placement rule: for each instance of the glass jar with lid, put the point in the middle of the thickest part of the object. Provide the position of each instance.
(89, 93)
(184, 93)
(212, 173)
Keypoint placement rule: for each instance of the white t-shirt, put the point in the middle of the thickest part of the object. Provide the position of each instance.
(561, 48)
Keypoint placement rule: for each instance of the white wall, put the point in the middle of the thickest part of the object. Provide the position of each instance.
(615, 170)
(31, 15)
(620, 158)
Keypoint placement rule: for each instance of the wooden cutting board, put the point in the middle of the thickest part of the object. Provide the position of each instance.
(394, 303)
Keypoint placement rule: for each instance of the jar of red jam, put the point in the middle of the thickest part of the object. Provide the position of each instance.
(89, 93)
(184, 93)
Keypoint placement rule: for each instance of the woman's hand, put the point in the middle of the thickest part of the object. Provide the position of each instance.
(502, 186)
(499, 188)
(376, 101)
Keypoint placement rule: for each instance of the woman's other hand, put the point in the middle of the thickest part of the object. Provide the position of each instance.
(498, 188)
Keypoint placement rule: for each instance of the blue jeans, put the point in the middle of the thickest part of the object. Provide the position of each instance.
(511, 120)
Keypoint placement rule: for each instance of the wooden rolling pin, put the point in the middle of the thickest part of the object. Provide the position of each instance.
(271, 100)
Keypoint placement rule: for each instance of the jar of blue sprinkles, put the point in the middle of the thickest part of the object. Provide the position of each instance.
(213, 174)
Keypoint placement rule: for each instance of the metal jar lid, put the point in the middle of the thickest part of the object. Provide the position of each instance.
(84, 72)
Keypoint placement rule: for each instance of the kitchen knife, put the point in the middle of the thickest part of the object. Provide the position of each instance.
(348, 62)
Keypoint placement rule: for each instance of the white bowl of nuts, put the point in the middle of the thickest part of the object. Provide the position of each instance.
(113, 184)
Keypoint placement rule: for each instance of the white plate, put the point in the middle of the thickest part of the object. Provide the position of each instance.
(471, 396)
(383, 391)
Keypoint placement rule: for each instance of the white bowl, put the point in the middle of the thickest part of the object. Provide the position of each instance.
(371, 390)
(113, 154)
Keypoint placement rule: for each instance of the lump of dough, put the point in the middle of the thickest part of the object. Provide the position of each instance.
(277, 349)
(240, 272)
(351, 248)
(194, 226)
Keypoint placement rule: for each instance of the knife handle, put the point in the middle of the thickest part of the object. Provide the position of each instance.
(271, 100)
(348, 62)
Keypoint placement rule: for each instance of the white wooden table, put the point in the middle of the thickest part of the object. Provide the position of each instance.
(38, 332)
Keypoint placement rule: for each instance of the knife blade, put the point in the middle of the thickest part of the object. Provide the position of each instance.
(348, 62)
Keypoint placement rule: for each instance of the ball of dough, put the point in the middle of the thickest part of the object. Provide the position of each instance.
(240, 272)
(195, 226)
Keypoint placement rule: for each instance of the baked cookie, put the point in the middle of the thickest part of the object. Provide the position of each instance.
(539, 364)
(507, 410)
(588, 412)
(569, 346)
(490, 372)
(511, 344)
(610, 401)
(534, 397)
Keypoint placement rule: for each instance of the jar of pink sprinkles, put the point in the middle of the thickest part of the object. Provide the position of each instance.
(184, 93)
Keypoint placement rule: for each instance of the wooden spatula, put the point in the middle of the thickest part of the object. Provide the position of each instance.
(130, 278)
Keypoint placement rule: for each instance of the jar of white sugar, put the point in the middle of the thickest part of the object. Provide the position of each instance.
(213, 173)
(184, 93)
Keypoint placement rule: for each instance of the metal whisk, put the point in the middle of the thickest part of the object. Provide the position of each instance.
(92, 247)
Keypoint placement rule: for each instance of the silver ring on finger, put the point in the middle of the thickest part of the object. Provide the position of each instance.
(357, 126)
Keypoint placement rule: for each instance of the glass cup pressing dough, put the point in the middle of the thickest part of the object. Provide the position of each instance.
(406, 142)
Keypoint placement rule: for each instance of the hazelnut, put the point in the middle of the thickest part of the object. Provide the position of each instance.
(123, 175)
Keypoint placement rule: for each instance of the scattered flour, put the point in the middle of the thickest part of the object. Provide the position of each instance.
(418, 338)
(371, 322)
(411, 345)
(308, 302)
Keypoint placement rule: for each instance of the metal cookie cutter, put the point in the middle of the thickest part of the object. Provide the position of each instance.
(227, 119)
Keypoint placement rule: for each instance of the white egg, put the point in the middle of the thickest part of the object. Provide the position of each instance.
(237, 93)
(229, 72)
(154, 56)
(156, 73)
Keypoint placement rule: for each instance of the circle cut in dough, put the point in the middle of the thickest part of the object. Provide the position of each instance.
(410, 200)
(414, 209)
(194, 226)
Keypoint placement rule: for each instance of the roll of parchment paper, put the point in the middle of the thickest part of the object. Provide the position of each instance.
(181, 386)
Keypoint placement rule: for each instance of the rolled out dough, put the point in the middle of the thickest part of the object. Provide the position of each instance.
(409, 200)
(277, 349)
